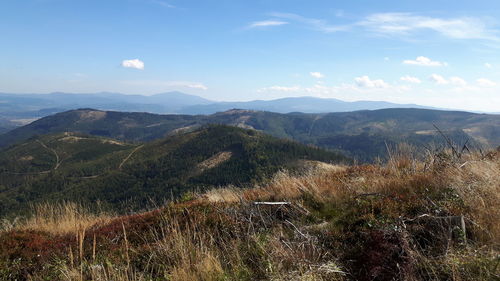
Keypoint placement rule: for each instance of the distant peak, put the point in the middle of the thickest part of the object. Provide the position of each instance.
(175, 93)
(91, 115)
(236, 111)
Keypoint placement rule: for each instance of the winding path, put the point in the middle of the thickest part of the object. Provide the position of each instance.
(58, 162)
(128, 157)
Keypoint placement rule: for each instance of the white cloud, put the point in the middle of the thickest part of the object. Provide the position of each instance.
(405, 24)
(424, 61)
(488, 65)
(371, 90)
(458, 81)
(317, 75)
(408, 23)
(366, 82)
(135, 63)
(438, 79)
(411, 79)
(266, 23)
(483, 82)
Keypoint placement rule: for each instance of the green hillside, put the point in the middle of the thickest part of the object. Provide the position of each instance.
(408, 219)
(126, 177)
(363, 135)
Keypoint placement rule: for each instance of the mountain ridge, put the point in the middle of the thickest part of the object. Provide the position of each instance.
(29, 106)
(361, 134)
(129, 176)
(304, 104)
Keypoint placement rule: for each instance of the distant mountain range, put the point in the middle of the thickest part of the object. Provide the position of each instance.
(363, 135)
(39, 105)
(297, 104)
(18, 109)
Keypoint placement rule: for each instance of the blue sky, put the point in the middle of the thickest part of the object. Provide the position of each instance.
(438, 53)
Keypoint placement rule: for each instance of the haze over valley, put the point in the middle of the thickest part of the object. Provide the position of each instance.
(20, 109)
(283, 140)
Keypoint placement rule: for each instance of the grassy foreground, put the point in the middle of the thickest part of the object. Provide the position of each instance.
(432, 219)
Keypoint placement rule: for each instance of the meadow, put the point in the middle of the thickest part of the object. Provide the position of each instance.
(415, 217)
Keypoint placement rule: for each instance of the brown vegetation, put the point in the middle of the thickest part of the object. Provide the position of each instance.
(397, 221)
(215, 160)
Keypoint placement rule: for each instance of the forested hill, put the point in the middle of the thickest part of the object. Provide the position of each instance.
(363, 135)
(124, 176)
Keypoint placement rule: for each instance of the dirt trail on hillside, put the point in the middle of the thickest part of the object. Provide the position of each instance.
(128, 157)
(58, 162)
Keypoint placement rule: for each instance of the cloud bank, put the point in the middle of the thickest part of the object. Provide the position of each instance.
(424, 61)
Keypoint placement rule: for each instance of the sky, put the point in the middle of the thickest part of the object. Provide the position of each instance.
(439, 53)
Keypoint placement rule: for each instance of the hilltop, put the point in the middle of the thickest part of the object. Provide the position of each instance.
(364, 135)
(435, 219)
(128, 177)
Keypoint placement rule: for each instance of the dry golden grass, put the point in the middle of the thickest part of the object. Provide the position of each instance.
(318, 180)
(223, 195)
(192, 254)
(62, 218)
(214, 161)
(477, 181)
(474, 177)
(222, 236)
(102, 273)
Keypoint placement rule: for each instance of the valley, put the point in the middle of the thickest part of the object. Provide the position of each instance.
(387, 194)
(194, 140)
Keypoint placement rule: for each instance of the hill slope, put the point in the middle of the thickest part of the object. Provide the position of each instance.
(130, 176)
(360, 134)
(407, 220)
